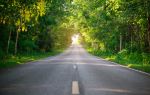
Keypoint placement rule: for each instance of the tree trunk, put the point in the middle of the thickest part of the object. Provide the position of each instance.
(17, 35)
(16, 43)
(131, 40)
(8, 41)
(149, 33)
(120, 41)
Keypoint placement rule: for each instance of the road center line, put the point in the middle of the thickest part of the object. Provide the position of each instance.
(75, 88)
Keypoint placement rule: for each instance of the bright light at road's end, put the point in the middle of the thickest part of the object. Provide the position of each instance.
(75, 39)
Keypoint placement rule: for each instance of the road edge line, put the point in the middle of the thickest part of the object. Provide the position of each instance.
(125, 66)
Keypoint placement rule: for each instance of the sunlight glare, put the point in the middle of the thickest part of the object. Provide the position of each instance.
(75, 39)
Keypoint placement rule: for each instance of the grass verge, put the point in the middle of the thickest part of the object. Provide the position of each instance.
(12, 61)
(139, 61)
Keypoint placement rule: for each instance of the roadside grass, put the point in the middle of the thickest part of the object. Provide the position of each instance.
(139, 61)
(12, 61)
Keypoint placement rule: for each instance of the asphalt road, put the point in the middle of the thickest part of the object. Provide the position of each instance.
(73, 72)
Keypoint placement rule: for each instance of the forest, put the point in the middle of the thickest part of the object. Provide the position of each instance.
(117, 30)
(32, 29)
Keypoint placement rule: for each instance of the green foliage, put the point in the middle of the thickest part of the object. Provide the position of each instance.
(32, 26)
(34, 20)
(118, 24)
(27, 45)
(14, 60)
(119, 29)
(1, 54)
(135, 60)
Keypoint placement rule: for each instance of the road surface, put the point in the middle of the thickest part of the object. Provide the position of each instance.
(74, 72)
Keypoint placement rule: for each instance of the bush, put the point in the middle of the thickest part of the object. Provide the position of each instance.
(27, 45)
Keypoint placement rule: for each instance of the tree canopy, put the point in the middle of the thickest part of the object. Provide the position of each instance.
(44, 25)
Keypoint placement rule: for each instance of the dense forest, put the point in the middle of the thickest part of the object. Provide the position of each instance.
(118, 30)
(29, 27)
(117, 24)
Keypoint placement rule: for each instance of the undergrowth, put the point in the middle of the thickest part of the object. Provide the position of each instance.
(140, 61)
(13, 60)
